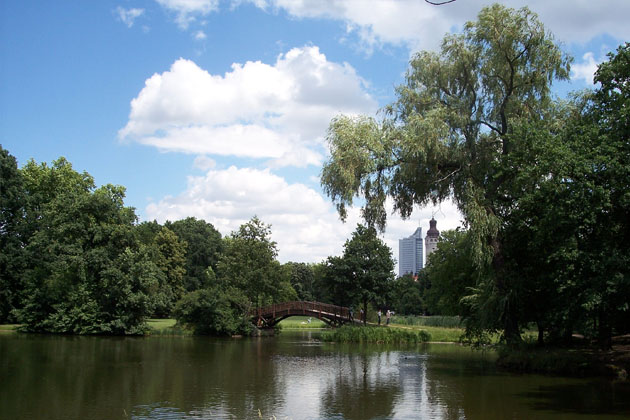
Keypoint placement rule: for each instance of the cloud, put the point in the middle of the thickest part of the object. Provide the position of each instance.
(128, 16)
(204, 163)
(586, 69)
(304, 223)
(187, 11)
(200, 35)
(278, 112)
(419, 25)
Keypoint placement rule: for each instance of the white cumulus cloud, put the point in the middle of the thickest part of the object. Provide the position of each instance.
(586, 69)
(275, 111)
(420, 25)
(128, 16)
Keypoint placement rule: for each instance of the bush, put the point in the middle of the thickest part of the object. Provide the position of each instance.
(214, 312)
(351, 334)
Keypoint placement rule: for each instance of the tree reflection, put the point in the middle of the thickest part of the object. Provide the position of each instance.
(366, 386)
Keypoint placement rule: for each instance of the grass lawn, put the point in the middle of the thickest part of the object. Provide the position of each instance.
(438, 334)
(8, 328)
(301, 322)
(161, 324)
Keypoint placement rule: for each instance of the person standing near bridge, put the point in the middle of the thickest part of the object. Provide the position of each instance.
(388, 316)
(379, 313)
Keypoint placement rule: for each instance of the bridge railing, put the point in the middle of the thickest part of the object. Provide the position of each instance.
(295, 306)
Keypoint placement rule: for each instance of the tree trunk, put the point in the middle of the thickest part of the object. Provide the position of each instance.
(511, 330)
(364, 312)
(604, 332)
(541, 330)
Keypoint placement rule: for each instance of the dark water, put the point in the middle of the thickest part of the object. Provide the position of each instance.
(291, 376)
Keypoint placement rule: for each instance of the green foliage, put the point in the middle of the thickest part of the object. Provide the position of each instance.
(362, 274)
(404, 295)
(451, 134)
(170, 259)
(302, 279)
(203, 250)
(12, 203)
(450, 274)
(382, 335)
(214, 311)
(249, 263)
(85, 272)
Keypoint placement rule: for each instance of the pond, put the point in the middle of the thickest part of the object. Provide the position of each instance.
(292, 376)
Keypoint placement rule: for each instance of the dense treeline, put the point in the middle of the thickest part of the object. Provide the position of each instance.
(543, 184)
(76, 260)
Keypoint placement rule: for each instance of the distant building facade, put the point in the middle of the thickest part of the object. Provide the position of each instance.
(432, 239)
(410, 254)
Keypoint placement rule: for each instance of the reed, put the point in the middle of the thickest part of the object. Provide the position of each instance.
(352, 334)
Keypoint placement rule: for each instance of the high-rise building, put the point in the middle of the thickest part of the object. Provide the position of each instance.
(410, 253)
(433, 236)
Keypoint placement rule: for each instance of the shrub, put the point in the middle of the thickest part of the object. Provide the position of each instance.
(214, 312)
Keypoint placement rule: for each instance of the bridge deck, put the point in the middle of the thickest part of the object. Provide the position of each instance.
(269, 316)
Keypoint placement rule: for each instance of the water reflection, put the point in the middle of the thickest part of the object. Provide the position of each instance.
(363, 386)
(292, 376)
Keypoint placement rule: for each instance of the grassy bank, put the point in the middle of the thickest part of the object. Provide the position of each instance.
(8, 328)
(428, 321)
(166, 327)
(368, 334)
(300, 322)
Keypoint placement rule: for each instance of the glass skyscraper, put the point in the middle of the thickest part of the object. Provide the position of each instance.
(410, 253)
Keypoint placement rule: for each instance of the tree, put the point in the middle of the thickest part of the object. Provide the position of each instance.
(451, 134)
(214, 311)
(86, 272)
(405, 296)
(450, 275)
(249, 263)
(204, 247)
(302, 277)
(170, 257)
(12, 203)
(363, 273)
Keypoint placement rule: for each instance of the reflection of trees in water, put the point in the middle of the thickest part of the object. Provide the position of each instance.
(366, 386)
(458, 384)
(97, 377)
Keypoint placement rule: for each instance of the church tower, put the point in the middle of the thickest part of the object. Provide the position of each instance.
(432, 238)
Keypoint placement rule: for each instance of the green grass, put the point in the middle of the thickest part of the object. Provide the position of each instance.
(8, 328)
(438, 334)
(367, 334)
(166, 327)
(428, 321)
(161, 324)
(301, 322)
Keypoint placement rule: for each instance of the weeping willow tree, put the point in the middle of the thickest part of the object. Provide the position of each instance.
(450, 135)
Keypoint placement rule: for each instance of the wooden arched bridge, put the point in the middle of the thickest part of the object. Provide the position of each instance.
(269, 316)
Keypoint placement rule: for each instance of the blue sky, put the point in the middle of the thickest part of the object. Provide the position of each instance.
(218, 109)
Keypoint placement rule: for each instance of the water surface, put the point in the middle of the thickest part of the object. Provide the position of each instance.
(291, 376)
